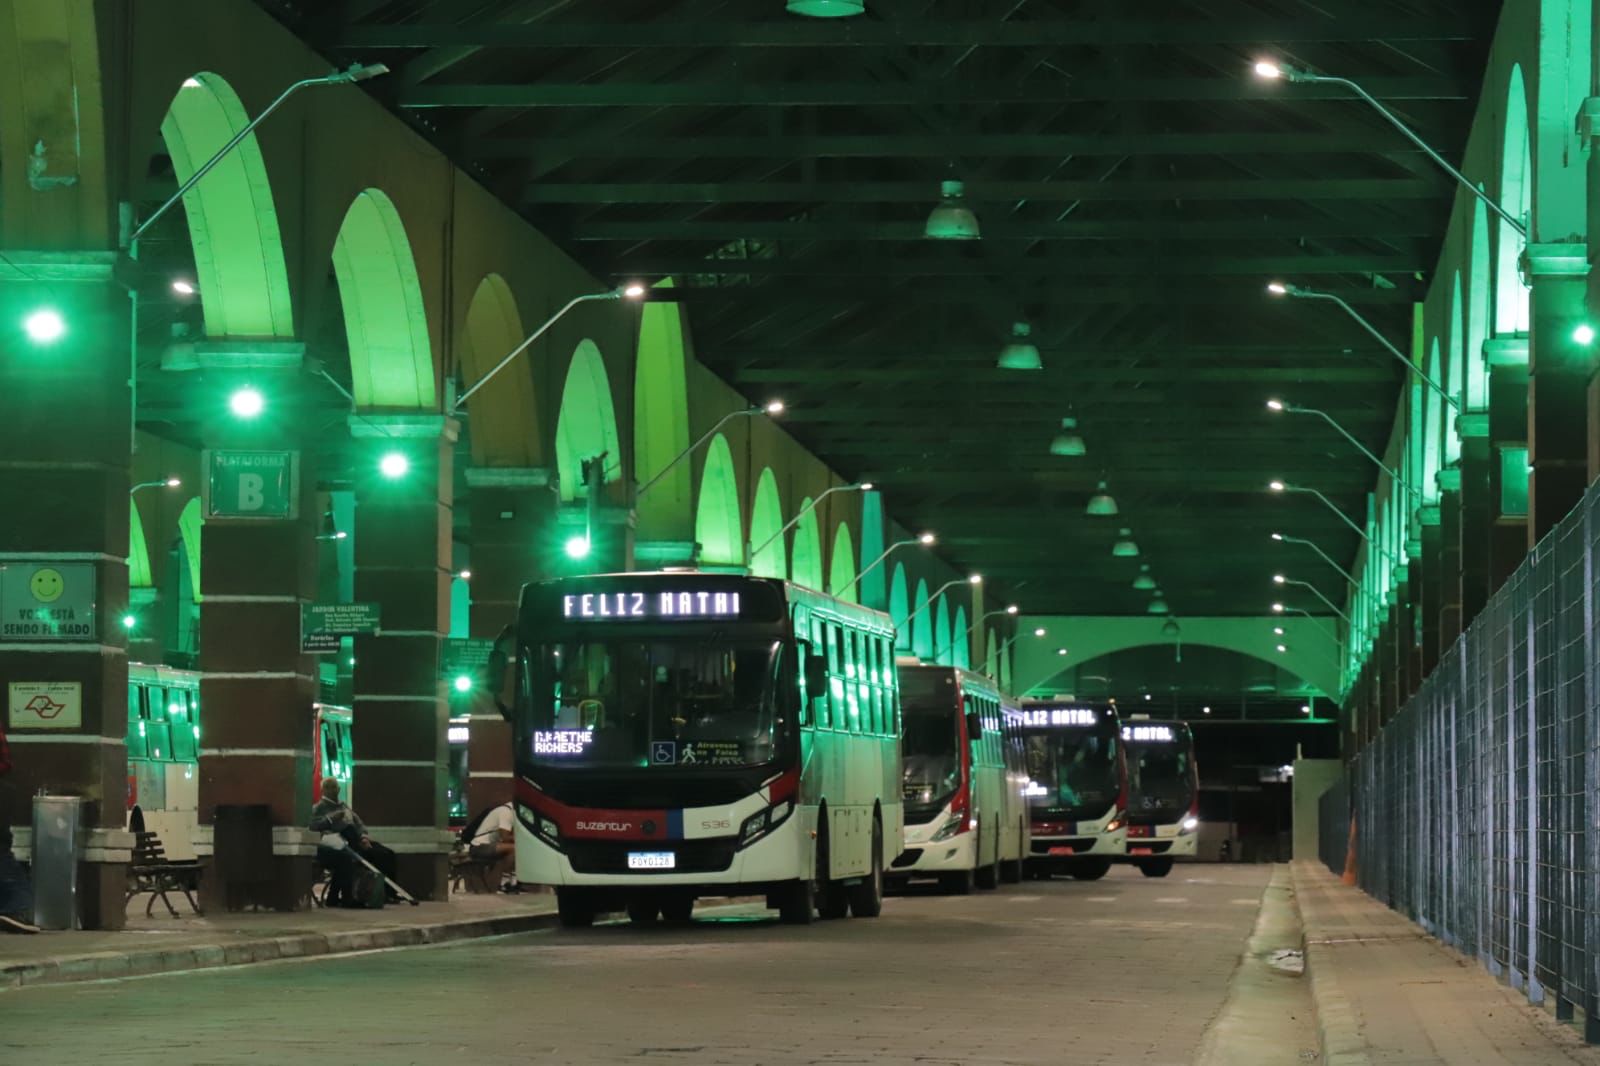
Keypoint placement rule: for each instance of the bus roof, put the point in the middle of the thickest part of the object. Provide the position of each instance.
(970, 680)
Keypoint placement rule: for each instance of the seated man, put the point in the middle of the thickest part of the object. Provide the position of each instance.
(341, 829)
(494, 843)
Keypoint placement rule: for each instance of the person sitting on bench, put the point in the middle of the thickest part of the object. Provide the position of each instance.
(493, 843)
(341, 828)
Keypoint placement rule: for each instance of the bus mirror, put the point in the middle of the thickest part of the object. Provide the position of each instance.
(816, 676)
(974, 726)
(497, 671)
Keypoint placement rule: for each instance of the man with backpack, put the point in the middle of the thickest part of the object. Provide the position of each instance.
(490, 839)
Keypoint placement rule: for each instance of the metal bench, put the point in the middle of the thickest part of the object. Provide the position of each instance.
(152, 873)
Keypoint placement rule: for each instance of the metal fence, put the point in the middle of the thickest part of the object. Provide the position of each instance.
(1477, 809)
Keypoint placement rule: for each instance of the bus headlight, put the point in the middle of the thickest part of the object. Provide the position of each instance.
(951, 827)
(1188, 825)
(544, 828)
(1113, 825)
(763, 822)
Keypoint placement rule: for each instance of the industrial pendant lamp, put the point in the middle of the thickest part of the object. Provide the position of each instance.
(1144, 582)
(1125, 548)
(951, 220)
(1101, 502)
(1068, 443)
(1171, 628)
(1020, 353)
(826, 9)
(1157, 606)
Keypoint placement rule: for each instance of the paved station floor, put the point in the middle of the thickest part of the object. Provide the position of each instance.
(1123, 970)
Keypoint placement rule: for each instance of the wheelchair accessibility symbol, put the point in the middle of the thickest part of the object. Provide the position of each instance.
(663, 752)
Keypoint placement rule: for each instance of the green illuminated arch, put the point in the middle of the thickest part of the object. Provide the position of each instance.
(941, 630)
(805, 566)
(1479, 288)
(505, 419)
(386, 325)
(922, 624)
(587, 424)
(766, 518)
(1516, 196)
(960, 650)
(899, 607)
(991, 652)
(842, 565)
(1455, 372)
(138, 550)
(716, 523)
(1432, 423)
(233, 225)
(189, 526)
(873, 589)
(1005, 669)
(661, 418)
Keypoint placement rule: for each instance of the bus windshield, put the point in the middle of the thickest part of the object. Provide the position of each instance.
(1072, 773)
(930, 756)
(1163, 780)
(655, 703)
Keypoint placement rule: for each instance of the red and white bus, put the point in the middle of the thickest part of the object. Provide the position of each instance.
(1077, 788)
(961, 781)
(1164, 805)
(685, 734)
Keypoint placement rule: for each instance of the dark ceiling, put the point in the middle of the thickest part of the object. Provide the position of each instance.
(1136, 188)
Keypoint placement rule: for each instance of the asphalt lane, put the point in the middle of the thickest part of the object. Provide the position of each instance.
(1123, 970)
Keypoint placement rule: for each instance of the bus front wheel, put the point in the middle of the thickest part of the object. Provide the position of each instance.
(1091, 869)
(677, 908)
(642, 911)
(989, 876)
(956, 884)
(574, 908)
(798, 904)
(866, 896)
(1156, 867)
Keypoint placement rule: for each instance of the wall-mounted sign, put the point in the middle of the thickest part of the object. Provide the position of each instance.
(41, 600)
(649, 606)
(1036, 716)
(464, 657)
(322, 624)
(251, 484)
(44, 705)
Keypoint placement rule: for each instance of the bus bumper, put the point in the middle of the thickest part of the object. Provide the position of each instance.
(1182, 846)
(1066, 849)
(924, 857)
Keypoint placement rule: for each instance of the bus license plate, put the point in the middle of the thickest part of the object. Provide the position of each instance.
(652, 860)
(1061, 851)
(1140, 851)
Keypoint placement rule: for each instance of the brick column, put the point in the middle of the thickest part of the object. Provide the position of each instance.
(256, 686)
(1476, 514)
(1558, 386)
(1508, 428)
(513, 543)
(1430, 593)
(1449, 558)
(64, 458)
(402, 551)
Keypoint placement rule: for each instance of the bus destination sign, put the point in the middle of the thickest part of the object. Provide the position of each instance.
(1148, 733)
(666, 605)
(1037, 716)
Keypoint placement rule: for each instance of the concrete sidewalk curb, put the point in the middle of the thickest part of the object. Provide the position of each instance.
(100, 966)
(1339, 1036)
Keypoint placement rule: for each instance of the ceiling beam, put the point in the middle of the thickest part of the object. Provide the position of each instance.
(1062, 265)
(828, 292)
(931, 375)
(741, 93)
(899, 33)
(722, 230)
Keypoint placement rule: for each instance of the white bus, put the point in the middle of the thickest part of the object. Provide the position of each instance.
(687, 734)
(1077, 788)
(961, 781)
(1164, 808)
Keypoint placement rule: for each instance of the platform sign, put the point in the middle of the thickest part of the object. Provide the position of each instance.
(44, 705)
(251, 484)
(322, 624)
(42, 600)
(469, 657)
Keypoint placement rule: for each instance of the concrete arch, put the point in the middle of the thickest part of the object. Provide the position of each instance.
(960, 651)
(766, 518)
(717, 524)
(1006, 668)
(842, 565)
(386, 324)
(1432, 429)
(138, 549)
(805, 564)
(661, 418)
(1312, 653)
(1480, 287)
(991, 652)
(190, 523)
(899, 607)
(941, 630)
(504, 417)
(874, 588)
(1516, 196)
(233, 223)
(587, 425)
(1455, 372)
(922, 624)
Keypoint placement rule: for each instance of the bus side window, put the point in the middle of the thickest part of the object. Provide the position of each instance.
(891, 683)
(136, 744)
(829, 719)
(851, 655)
(874, 688)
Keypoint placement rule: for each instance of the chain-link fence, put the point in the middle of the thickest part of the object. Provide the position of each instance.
(1477, 809)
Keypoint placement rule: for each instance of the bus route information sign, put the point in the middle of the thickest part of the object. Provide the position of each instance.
(322, 624)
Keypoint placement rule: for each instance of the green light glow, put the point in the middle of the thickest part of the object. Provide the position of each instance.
(577, 547)
(463, 683)
(394, 465)
(247, 402)
(716, 525)
(45, 326)
(129, 621)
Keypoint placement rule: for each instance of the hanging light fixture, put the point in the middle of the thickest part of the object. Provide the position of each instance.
(1125, 548)
(1067, 443)
(951, 220)
(1170, 629)
(826, 9)
(1101, 502)
(1020, 353)
(1144, 582)
(1157, 605)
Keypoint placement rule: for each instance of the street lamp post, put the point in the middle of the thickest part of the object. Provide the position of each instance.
(1010, 610)
(1284, 486)
(975, 579)
(775, 407)
(1316, 548)
(1279, 579)
(1280, 405)
(860, 486)
(167, 483)
(1279, 608)
(926, 540)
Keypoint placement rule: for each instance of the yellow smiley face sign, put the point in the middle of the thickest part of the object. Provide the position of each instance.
(47, 584)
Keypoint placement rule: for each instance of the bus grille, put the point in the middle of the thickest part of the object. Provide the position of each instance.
(907, 857)
(693, 856)
(1077, 844)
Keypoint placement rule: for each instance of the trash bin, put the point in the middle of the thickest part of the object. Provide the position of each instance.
(242, 842)
(56, 820)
